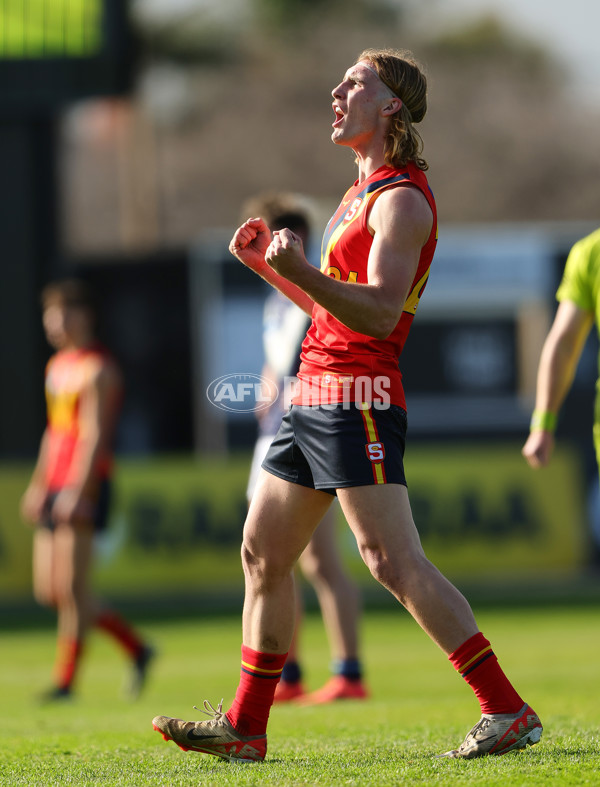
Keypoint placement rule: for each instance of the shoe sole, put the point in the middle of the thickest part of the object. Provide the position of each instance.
(529, 739)
(221, 755)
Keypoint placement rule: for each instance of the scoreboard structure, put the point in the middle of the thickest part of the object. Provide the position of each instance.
(56, 51)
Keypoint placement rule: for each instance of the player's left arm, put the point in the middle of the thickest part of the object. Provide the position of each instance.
(401, 222)
(98, 415)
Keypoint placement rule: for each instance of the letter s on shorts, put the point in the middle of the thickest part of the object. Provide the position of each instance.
(375, 452)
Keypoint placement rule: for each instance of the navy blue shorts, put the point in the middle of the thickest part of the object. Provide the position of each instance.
(100, 515)
(332, 447)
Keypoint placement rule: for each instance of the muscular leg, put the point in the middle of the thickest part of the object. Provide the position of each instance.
(338, 595)
(280, 522)
(381, 519)
(281, 519)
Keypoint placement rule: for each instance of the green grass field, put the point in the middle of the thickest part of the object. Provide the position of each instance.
(419, 707)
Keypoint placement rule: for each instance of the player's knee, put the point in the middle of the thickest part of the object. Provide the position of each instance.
(324, 572)
(64, 597)
(262, 570)
(72, 591)
(393, 572)
(249, 560)
(311, 565)
(380, 566)
(45, 597)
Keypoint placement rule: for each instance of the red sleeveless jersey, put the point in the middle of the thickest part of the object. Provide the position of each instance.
(65, 382)
(337, 363)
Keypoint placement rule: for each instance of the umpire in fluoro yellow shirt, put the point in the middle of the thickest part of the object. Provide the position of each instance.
(579, 308)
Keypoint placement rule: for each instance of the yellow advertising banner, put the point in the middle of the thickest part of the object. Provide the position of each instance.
(176, 522)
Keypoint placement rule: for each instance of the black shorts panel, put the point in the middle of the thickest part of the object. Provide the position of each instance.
(101, 510)
(334, 446)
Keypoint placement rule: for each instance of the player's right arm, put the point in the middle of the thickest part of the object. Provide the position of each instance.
(33, 501)
(558, 363)
(249, 245)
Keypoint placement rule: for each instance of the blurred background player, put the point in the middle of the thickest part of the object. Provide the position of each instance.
(284, 329)
(579, 307)
(68, 495)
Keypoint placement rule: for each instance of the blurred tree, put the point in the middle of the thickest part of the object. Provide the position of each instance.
(503, 130)
(488, 42)
(291, 15)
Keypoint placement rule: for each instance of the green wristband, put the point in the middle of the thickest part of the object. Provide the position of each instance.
(543, 420)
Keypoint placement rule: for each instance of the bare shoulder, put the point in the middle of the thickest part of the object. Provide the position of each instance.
(401, 207)
(102, 371)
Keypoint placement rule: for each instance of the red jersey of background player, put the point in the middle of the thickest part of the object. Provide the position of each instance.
(67, 376)
(337, 363)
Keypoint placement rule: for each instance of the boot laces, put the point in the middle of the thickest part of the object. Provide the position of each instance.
(210, 710)
(480, 727)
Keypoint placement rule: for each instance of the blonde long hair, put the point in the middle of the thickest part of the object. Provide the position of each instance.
(399, 70)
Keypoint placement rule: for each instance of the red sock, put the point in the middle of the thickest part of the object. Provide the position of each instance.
(259, 676)
(118, 628)
(68, 655)
(477, 663)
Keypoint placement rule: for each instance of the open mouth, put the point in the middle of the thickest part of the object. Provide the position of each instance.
(339, 116)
